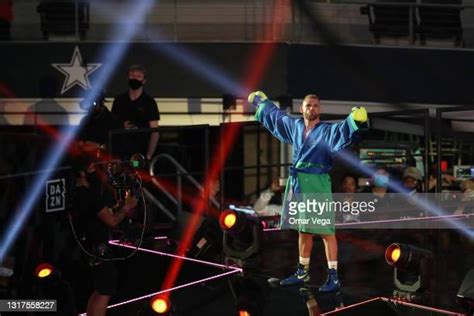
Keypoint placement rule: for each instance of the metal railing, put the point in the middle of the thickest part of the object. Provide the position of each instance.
(115, 145)
(180, 173)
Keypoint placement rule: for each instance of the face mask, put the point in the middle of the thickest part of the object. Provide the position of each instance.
(381, 181)
(135, 84)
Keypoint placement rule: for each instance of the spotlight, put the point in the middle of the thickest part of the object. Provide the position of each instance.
(160, 305)
(231, 221)
(405, 256)
(242, 238)
(392, 254)
(50, 285)
(411, 272)
(244, 313)
(45, 270)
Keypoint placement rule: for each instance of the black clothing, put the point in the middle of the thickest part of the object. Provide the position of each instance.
(138, 112)
(94, 236)
(5, 30)
(105, 277)
(96, 126)
(87, 204)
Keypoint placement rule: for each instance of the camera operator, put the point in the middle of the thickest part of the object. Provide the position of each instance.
(96, 125)
(95, 215)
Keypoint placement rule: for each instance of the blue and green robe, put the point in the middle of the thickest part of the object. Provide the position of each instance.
(312, 160)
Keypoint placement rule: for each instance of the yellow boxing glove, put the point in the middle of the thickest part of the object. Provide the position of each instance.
(256, 97)
(359, 114)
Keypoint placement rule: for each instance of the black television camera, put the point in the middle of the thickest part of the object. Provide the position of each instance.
(114, 180)
(124, 178)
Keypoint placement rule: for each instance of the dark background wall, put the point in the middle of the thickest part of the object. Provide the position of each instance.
(336, 73)
(382, 74)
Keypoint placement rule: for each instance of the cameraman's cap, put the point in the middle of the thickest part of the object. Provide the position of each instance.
(412, 172)
(87, 103)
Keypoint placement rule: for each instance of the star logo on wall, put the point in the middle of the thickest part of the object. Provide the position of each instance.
(76, 72)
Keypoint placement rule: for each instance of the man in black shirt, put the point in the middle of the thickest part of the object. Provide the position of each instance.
(94, 218)
(136, 109)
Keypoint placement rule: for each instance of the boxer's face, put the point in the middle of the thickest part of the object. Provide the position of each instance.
(310, 109)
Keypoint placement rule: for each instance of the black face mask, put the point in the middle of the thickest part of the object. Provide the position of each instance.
(135, 84)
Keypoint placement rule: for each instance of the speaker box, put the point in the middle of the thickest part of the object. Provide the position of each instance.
(389, 307)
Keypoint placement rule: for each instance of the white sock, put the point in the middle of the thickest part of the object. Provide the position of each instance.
(304, 261)
(332, 264)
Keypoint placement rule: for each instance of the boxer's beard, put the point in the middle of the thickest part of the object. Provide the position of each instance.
(311, 117)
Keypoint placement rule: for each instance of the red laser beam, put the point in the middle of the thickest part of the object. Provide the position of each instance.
(5, 91)
(262, 53)
(254, 74)
(42, 125)
(231, 270)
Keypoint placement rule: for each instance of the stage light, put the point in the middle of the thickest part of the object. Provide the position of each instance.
(392, 254)
(160, 305)
(242, 238)
(228, 219)
(405, 256)
(44, 270)
(395, 255)
(232, 221)
(244, 313)
(49, 284)
(412, 272)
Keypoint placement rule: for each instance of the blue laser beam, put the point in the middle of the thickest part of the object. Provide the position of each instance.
(354, 161)
(193, 61)
(202, 68)
(112, 54)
